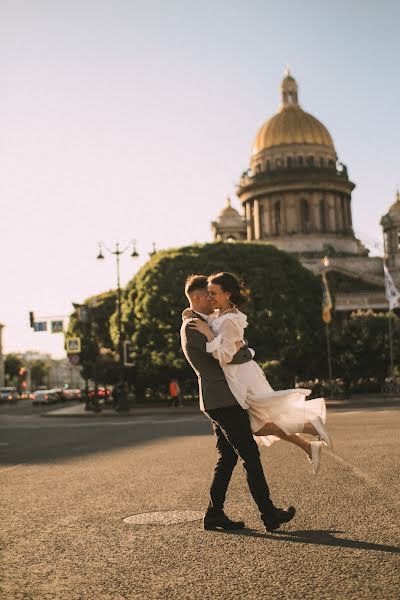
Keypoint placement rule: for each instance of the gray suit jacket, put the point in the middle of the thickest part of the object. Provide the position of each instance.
(214, 391)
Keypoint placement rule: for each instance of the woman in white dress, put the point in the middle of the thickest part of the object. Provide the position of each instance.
(273, 414)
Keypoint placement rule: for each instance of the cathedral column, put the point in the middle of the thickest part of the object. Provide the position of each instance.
(270, 216)
(348, 203)
(339, 214)
(256, 212)
(330, 202)
(264, 206)
(249, 220)
(314, 212)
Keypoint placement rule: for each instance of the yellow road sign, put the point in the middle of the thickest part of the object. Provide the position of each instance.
(73, 345)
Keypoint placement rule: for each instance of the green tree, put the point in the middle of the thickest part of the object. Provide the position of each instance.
(92, 326)
(39, 371)
(12, 366)
(284, 309)
(361, 349)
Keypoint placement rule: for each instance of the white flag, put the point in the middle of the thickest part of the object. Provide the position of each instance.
(391, 292)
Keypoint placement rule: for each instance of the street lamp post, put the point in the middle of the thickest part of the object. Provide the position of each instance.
(122, 400)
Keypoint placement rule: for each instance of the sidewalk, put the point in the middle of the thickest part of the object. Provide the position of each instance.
(357, 401)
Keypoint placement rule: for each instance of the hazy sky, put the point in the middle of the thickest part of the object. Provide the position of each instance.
(134, 119)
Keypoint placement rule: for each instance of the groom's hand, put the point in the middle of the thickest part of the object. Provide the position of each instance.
(242, 356)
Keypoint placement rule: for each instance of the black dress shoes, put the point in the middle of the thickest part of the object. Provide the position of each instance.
(218, 520)
(275, 517)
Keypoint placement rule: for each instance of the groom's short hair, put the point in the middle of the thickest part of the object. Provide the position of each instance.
(194, 283)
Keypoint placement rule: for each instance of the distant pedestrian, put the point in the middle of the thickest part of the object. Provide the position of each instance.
(175, 393)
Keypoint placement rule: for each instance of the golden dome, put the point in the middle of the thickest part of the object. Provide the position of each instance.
(291, 125)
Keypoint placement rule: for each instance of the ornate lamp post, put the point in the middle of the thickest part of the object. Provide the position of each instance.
(122, 402)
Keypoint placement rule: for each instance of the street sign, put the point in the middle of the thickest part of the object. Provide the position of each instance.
(128, 354)
(57, 326)
(73, 345)
(40, 326)
(74, 359)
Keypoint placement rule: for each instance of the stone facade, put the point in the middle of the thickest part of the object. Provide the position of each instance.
(391, 230)
(229, 226)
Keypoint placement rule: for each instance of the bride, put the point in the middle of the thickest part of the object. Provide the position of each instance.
(274, 415)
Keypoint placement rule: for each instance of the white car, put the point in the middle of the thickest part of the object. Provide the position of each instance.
(43, 397)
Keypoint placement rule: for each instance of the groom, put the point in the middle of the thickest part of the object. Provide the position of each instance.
(229, 420)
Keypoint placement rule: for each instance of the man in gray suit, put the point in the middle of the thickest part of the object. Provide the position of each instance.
(229, 420)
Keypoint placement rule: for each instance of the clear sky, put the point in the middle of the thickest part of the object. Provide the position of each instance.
(134, 119)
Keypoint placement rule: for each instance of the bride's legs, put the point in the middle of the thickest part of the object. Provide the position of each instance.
(272, 429)
(310, 429)
(317, 427)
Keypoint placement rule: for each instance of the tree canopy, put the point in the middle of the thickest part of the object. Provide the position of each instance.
(284, 309)
(12, 365)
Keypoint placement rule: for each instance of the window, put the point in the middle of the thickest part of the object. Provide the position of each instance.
(305, 216)
(310, 161)
(289, 161)
(321, 162)
(300, 161)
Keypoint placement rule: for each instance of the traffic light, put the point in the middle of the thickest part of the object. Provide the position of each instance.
(31, 318)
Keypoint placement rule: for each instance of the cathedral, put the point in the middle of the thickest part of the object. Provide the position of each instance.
(296, 195)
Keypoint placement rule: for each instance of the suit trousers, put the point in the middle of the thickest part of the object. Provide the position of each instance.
(235, 439)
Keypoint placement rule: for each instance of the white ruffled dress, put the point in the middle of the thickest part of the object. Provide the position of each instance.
(288, 409)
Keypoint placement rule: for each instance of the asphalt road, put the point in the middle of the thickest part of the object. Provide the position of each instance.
(67, 484)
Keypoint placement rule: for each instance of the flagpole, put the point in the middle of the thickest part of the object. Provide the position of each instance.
(326, 315)
(391, 344)
(328, 346)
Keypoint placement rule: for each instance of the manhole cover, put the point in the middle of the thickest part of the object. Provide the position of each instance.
(164, 518)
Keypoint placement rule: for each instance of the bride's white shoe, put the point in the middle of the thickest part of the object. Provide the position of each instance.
(324, 435)
(315, 460)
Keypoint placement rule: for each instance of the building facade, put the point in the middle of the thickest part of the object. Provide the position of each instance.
(296, 195)
(391, 231)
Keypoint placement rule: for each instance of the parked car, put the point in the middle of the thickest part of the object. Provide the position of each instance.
(44, 397)
(103, 395)
(8, 394)
(59, 394)
(72, 394)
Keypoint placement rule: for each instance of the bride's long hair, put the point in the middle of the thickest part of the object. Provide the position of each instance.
(230, 282)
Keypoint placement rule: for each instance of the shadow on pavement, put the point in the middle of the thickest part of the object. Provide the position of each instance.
(318, 537)
(36, 444)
